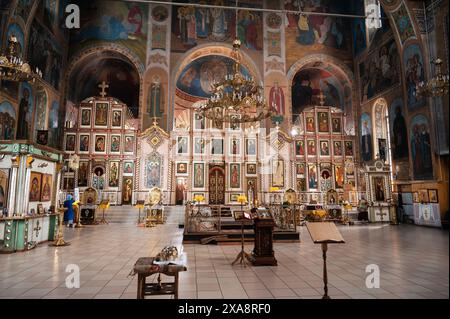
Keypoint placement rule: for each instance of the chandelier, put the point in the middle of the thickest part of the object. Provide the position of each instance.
(436, 86)
(237, 98)
(13, 68)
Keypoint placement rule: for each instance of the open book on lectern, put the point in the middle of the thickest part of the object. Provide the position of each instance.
(324, 232)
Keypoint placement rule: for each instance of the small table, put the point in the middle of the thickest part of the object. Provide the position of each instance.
(146, 267)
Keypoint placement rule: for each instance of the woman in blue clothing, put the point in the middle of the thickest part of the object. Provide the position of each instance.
(69, 213)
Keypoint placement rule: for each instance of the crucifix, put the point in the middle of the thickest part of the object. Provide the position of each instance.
(381, 214)
(321, 97)
(37, 229)
(103, 86)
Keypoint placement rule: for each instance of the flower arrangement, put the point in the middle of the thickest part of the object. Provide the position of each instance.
(242, 199)
(199, 198)
(321, 213)
(347, 205)
(274, 189)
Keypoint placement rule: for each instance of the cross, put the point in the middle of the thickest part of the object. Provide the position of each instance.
(381, 214)
(155, 121)
(103, 86)
(37, 228)
(321, 98)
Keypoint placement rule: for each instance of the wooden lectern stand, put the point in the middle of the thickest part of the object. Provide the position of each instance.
(324, 233)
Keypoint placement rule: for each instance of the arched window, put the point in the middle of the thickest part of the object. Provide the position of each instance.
(381, 134)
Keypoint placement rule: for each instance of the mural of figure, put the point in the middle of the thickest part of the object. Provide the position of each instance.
(24, 107)
(113, 175)
(399, 135)
(219, 26)
(276, 98)
(291, 18)
(414, 74)
(421, 148)
(366, 138)
(202, 16)
(312, 174)
(155, 100)
(135, 18)
(7, 121)
(234, 176)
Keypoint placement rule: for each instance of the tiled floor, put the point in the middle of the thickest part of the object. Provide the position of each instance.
(413, 263)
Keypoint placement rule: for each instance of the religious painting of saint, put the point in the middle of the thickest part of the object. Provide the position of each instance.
(414, 74)
(199, 145)
(153, 169)
(115, 144)
(326, 182)
(348, 148)
(46, 193)
(339, 176)
(378, 189)
(301, 184)
(98, 179)
(85, 117)
(116, 118)
(251, 169)
(250, 146)
(100, 142)
(235, 146)
(128, 167)
(312, 176)
(421, 148)
(276, 99)
(35, 186)
(324, 148)
(311, 147)
(4, 180)
(398, 130)
(337, 148)
(234, 124)
(182, 145)
(160, 13)
(127, 190)
(322, 119)
(182, 168)
(300, 169)
(84, 143)
(129, 144)
(310, 125)
(336, 125)
(199, 175)
(83, 174)
(114, 174)
(300, 148)
(235, 175)
(278, 173)
(101, 114)
(366, 137)
(217, 146)
(199, 122)
(251, 189)
(25, 111)
(70, 142)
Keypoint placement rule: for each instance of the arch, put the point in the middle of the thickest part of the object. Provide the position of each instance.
(380, 127)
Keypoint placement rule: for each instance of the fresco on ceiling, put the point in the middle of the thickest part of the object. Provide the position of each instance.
(414, 74)
(197, 77)
(376, 34)
(45, 53)
(7, 121)
(319, 29)
(307, 85)
(122, 78)
(120, 22)
(398, 130)
(193, 26)
(14, 30)
(420, 141)
(379, 71)
(403, 23)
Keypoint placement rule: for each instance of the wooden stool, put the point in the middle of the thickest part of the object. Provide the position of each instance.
(145, 267)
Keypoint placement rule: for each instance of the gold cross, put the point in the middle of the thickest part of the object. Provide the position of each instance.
(103, 86)
(321, 98)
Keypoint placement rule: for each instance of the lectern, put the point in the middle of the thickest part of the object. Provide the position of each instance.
(263, 254)
(324, 233)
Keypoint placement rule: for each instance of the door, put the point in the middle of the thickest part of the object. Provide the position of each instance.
(217, 184)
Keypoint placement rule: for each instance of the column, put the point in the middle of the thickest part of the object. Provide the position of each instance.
(13, 182)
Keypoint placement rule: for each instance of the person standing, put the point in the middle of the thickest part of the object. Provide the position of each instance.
(69, 213)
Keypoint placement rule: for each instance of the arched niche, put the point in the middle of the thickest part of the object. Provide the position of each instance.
(380, 127)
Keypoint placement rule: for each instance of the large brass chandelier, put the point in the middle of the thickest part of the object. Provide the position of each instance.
(13, 68)
(436, 86)
(237, 98)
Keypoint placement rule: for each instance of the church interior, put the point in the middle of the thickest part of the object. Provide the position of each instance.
(217, 142)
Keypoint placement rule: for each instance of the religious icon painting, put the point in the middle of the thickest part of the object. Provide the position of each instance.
(301, 184)
(100, 143)
(324, 148)
(84, 143)
(251, 169)
(101, 114)
(423, 196)
(115, 144)
(199, 145)
(326, 177)
(70, 143)
(336, 125)
(199, 175)
(42, 137)
(234, 122)
(128, 146)
(160, 13)
(182, 168)
(40, 209)
(235, 175)
(278, 173)
(114, 173)
(312, 176)
(348, 148)
(339, 176)
(415, 197)
(217, 146)
(69, 183)
(311, 147)
(83, 174)
(46, 190)
(85, 117)
(116, 118)
(235, 146)
(300, 169)
(128, 167)
(4, 185)
(300, 148)
(182, 145)
(378, 189)
(250, 146)
(234, 197)
(337, 148)
(433, 196)
(35, 186)
(310, 124)
(323, 122)
(199, 122)
(127, 190)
